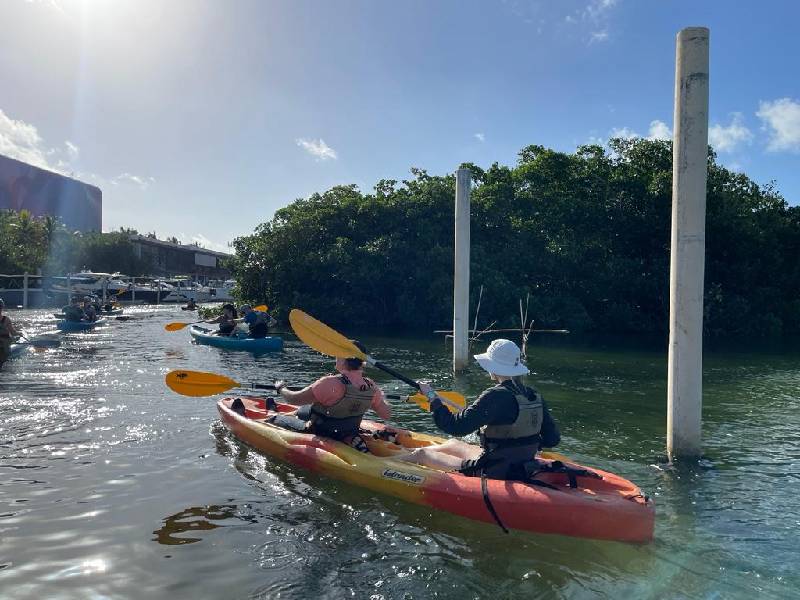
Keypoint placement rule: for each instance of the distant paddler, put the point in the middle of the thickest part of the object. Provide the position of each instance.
(89, 309)
(7, 334)
(73, 311)
(258, 321)
(227, 320)
(191, 305)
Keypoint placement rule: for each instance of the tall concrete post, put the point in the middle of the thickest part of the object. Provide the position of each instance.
(687, 261)
(25, 291)
(461, 275)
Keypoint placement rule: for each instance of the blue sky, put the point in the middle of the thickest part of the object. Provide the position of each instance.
(200, 119)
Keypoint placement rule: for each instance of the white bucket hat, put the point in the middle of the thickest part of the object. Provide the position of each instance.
(502, 358)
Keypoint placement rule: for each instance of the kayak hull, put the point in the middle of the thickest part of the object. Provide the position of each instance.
(610, 508)
(102, 313)
(79, 325)
(18, 350)
(203, 335)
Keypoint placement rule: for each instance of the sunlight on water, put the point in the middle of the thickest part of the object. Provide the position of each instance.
(115, 487)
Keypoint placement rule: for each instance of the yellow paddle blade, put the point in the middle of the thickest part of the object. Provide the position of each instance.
(322, 338)
(175, 326)
(261, 308)
(555, 456)
(198, 383)
(453, 401)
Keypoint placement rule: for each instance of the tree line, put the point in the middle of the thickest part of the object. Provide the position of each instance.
(587, 234)
(31, 244)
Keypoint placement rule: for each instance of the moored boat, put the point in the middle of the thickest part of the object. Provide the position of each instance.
(204, 335)
(599, 505)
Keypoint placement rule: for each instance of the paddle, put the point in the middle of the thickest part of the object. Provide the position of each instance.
(328, 341)
(177, 326)
(200, 383)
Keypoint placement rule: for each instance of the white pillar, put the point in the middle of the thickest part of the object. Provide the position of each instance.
(461, 275)
(687, 261)
(25, 291)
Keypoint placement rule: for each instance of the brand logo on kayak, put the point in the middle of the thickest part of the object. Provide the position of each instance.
(400, 476)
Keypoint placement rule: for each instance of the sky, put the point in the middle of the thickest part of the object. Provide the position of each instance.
(200, 119)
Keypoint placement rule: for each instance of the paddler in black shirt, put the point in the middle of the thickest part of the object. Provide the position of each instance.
(512, 420)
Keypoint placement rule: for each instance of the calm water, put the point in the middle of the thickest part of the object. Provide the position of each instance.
(114, 487)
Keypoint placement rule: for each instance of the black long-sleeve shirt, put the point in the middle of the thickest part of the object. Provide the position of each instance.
(493, 407)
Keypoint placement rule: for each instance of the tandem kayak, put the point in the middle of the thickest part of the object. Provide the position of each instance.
(600, 506)
(203, 335)
(79, 325)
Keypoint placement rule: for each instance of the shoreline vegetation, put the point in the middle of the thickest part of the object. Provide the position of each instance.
(31, 244)
(587, 234)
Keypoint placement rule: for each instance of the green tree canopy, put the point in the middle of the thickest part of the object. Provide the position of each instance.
(587, 234)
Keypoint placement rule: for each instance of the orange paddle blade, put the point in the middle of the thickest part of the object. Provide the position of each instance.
(198, 383)
(176, 326)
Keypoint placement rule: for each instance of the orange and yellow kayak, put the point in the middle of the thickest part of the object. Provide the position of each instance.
(597, 505)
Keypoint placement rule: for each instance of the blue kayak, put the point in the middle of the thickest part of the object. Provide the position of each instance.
(203, 335)
(79, 325)
(17, 350)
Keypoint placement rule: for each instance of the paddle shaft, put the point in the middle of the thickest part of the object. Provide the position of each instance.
(297, 388)
(392, 372)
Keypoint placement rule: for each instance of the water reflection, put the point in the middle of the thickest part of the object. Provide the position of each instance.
(199, 518)
(89, 438)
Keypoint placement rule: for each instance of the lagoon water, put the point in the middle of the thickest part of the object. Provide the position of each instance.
(112, 486)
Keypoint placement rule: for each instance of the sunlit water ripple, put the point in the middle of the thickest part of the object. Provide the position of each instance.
(114, 487)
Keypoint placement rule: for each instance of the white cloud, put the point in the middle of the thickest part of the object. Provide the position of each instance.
(22, 141)
(623, 132)
(596, 9)
(203, 241)
(72, 150)
(659, 131)
(142, 182)
(782, 119)
(480, 137)
(725, 138)
(598, 36)
(317, 148)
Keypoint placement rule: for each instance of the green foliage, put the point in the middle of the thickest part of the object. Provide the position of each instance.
(587, 234)
(28, 244)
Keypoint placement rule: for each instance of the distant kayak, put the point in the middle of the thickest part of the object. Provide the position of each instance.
(188, 308)
(204, 335)
(79, 325)
(114, 312)
(574, 501)
(18, 350)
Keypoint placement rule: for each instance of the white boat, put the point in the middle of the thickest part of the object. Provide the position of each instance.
(183, 289)
(91, 283)
(221, 291)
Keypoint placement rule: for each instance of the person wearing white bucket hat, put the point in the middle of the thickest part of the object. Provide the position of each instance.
(512, 420)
